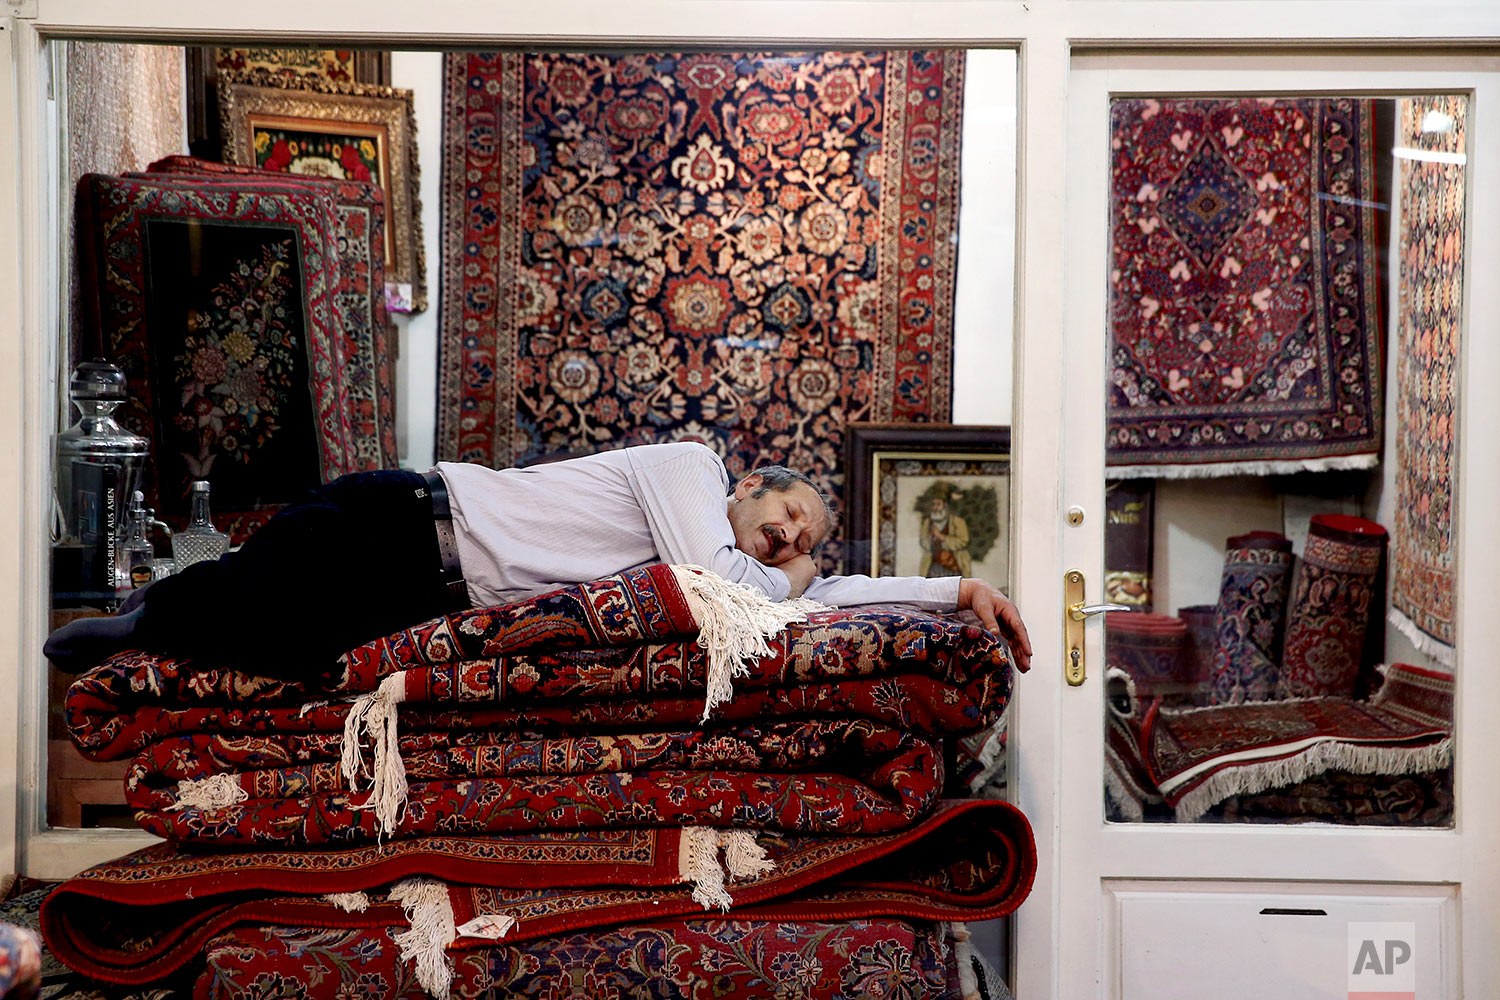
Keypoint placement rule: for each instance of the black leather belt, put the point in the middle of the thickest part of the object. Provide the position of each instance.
(442, 522)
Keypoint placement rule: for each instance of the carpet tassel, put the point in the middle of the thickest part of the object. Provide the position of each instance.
(698, 862)
(734, 622)
(349, 902)
(432, 930)
(376, 713)
(218, 791)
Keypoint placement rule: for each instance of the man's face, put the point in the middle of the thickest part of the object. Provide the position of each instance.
(777, 525)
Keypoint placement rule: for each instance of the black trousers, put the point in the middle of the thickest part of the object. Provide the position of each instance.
(353, 560)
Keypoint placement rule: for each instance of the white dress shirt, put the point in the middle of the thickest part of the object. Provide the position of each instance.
(523, 532)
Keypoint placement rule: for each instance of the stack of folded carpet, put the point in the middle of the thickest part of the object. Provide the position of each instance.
(550, 796)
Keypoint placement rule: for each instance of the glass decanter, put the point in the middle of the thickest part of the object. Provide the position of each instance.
(200, 540)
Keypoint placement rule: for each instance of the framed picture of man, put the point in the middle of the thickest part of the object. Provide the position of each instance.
(928, 500)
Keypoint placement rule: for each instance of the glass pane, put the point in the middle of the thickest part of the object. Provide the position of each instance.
(757, 250)
(1285, 293)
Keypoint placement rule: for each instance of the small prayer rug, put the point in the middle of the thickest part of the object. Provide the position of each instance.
(1198, 757)
(220, 297)
(1429, 321)
(1244, 310)
(367, 344)
(1333, 592)
(746, 249)
(1250, 617)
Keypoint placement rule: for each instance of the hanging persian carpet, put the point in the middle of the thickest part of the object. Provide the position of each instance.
(1244, 310)
(750, 250)
(1428, 317)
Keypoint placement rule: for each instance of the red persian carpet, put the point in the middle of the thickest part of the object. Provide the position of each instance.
(790, 960)
(1334, 591)
(150, 913)
(747, 249)
(1196, 758)
(1244, 310)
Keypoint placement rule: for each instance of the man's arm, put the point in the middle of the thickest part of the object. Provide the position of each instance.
(939, 594)
(995, 610)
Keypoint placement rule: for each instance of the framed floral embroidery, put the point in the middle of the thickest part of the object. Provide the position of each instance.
(928, 500)
(219, 297)
(326, 128)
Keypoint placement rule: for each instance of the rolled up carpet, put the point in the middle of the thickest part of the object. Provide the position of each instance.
(1201, 642)
(1329, 610)
(1250, 617)
(1152, 650)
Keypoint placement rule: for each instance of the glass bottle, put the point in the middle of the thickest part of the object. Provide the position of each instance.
(137, 554)
(200, 540)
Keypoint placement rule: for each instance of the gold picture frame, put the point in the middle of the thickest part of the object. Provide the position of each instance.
(374, 128)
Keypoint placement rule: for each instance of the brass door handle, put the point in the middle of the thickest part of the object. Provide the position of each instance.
(1078, 611)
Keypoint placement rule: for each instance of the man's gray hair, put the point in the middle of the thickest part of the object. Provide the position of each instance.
(780, 478)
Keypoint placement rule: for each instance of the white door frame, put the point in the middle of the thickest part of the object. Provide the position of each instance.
(1095, 852)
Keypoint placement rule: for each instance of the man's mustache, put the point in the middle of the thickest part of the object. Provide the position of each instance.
(776, 539)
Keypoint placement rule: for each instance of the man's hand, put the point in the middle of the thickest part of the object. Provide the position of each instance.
(993, 609)
(800, 570)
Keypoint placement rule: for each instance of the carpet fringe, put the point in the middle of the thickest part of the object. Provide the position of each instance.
(991, 757)
(734, 621)
(431, 932)
(349, 902)
(743, 857)
(1130, 806)
(963, 959)
(1427, 645)
(1208, 470)
(217, 791)
(698, 862)
(1333, 755)
(376, 713)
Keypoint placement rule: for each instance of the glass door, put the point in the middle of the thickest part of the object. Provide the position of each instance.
(1269, 336)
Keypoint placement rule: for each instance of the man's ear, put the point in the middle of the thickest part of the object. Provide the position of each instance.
(744, 486)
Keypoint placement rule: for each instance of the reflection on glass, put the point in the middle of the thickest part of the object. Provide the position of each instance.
(1281, 455)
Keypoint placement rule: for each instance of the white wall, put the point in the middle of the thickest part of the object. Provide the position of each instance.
(985, 299)
(416, 335)
(984, 305)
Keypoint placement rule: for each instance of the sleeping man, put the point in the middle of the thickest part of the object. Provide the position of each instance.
(374, 552)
